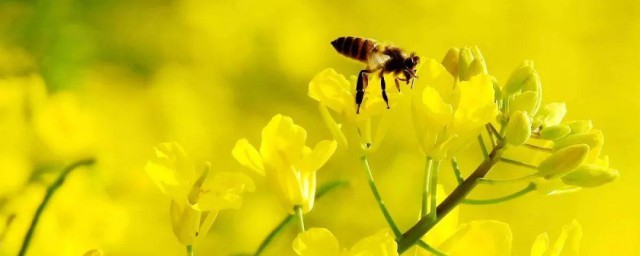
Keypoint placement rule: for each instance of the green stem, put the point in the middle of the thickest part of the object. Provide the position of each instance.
(298, 213)
(531, 146)
(425, 186)
(456, 170)
(524, 191)
(494, 131)
(47, 197)
(430, 249)
(433, 189)
(485, 153)
(376, 194)
(425, 224)
(490, 134)
(516, 180)
(322, 190)
(518, 163)
(189, 250)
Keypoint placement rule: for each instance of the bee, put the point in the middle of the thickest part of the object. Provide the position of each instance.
(378, 57)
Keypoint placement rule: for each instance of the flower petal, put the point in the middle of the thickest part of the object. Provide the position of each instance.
(319, 156)
(380, 244)
(281, 137)
(248, 156)
(541, 245)
(479, 238)
(224, 190)
(332, 89)
(316, 242)
(185, 220)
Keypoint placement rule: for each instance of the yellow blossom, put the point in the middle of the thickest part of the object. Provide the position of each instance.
(321, 242)
(289, 165)
(568, 243)
(448, 114)
(196, 198)
(334, 92)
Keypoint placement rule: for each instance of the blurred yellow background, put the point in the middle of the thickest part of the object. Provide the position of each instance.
(126, 75)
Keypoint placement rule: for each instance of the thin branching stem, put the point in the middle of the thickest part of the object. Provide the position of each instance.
(456, 170)
(519, 193)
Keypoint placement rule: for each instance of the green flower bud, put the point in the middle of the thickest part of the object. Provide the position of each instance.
(593, 139)
(591, 175)
(496, 88)
(580, 126)
(552, 113)
(563, 161)
(533, 84)
(518, 78)
(518, 129)
(464, 61)
(450, 61)
(555, 132)
(476, 67)
(536, 123)
(525, 102)
(477, 54)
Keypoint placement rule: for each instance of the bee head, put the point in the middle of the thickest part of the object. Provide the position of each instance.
(411, 62)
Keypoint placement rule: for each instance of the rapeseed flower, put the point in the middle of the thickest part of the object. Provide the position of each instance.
(196, 197)
(288, 164)
(321, 242)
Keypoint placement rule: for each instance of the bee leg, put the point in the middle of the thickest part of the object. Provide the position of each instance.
(397, 84)
(363, 81)
(383, 85)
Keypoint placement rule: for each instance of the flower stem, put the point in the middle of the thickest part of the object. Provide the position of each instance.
(490, 134)
(425, 186)
(535, 147)
(518, 163)
(524, 191)
(376, 194)
(298, 212)
(47, 197)
(323, 190)
(456, 170)
(433, 189)
(189, 250)
(516, 180)
(485, 153)
(425, 224)
(494, 131)
(430, 249)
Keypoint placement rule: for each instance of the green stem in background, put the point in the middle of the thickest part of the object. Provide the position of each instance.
(524, 191)
(433, 189)
(456, 170)
(376, 194)
(430, 249)
(485, 153)
(425, 186)
(47, 197)
(298, 212)
(189, 250)
(322, 190)
(494, 131)
(516, 180)
(425, 224)
(518, 163)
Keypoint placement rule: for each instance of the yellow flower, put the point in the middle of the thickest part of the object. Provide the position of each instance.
(568, 243)
(448, 114)
(196, 198)
(334, 92)
(321, 242)
(289, 165)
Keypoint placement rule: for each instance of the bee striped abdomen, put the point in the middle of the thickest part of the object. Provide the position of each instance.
(357, 48)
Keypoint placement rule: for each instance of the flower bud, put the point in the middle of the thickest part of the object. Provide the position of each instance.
(518, 78)
(476, 67)
(563, 161)
(464, 61)
(185, 220)
(450, 61)
(593, 139)
(580, 126)
(552, 113)
(526, 102)
(591, 175)
(518, 129)
(555, 132)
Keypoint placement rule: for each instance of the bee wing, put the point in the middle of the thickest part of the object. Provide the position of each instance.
(377, 59)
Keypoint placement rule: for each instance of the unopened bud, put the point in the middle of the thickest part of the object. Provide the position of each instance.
(94, 252)
(555, 132)
(580, 126)
(594, 139)
(464, 61)
(591, 175)
(525, 102)
(563, 161)
(518, 77)
(552, 113)
(476, 67)
(450, 61)
(518, 129)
